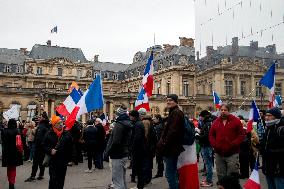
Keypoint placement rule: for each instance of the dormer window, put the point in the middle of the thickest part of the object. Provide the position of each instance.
(59, 71)
(8, 69)
(19, 69)
(39, 70)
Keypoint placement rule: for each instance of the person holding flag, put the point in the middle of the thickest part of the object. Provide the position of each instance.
(272, 149)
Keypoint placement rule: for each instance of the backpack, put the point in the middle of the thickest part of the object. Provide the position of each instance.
(189, 132)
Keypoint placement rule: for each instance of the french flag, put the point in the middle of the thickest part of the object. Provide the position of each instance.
(54, 30)
(268, 80)
(278, 101)
(253, 181)
(217, 100)
(253, 116)
(92, 98)
(70, 103)
(148, 80)
(142, 100)
(187, 168)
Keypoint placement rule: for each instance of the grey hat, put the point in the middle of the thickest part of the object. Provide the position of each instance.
(142, 111)
(121, 110)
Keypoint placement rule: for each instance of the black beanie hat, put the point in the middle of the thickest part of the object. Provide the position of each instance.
(174, 97)
(204, 113)
(134, 113)
(275, 112)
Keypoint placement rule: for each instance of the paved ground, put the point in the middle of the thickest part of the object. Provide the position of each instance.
(77, 179)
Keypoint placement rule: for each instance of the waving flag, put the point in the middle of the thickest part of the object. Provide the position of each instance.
(76, 86)
(278, 101)
(187, 168)
(253, 181)
(69, 104)
(268, 80)
(54, 30)
(142, 100)
(253, 116)
(217, 100)
(92, 98)
(148, 79)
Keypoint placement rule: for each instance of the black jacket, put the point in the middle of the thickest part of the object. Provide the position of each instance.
(204, 132)
(90, 136)
(159, 130)
(10, 154)
(170, 144)
(41, 130)
(273, 150)
(119, 141)
(63, 145)
(138, 142)
(101, 135)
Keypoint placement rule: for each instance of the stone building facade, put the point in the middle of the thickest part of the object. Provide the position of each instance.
(38, 80)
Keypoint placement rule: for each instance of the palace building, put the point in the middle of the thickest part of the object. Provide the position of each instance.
(38, 80)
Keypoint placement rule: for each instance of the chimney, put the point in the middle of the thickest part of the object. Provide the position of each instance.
(187, 42)
(235, 45)
(254, 45)
(209, 50)
(197, 55)
(96, 58)
(48, 43)
(271, 49)
(23, 51)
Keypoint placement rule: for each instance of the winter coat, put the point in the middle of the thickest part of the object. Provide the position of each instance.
(119, 141)
(159, 130)
(245, 147)
(10, 154)
(90, 136)
(138, 140)
(63, 145)
(170, 143)
(226, 139)
(273, 150)
(101, 135)
(41, 130)
(204, 132)
(150, 136)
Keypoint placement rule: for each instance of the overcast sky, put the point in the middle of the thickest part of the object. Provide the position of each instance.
(114, 29)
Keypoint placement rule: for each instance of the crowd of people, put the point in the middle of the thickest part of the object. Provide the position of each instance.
(135, 136)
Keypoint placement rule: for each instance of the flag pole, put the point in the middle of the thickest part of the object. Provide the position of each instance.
(246, 98)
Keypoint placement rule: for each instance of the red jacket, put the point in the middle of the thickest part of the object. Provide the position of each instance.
(226, 139)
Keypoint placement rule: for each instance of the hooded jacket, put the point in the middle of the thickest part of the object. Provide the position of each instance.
(273, 150)
(119, 141)
(226, 139)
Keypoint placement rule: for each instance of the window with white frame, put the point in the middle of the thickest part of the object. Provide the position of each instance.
(39, 70)
(229, 87)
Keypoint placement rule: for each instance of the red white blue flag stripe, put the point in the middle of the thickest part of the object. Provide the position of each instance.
(217, 100)
(253, 181)
(253, 116)
(268, 80)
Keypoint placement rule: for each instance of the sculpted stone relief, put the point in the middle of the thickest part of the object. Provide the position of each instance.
(248, 66)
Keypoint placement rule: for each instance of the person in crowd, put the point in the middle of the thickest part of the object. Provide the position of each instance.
(273, 149)
(75, 131)
(42, 129)
(58, 145)
(254, 148)
(170, 145)
(138, 148)
(90, 140)
(206, 149)
(11, 156)
(225, 136)
(30, 139)
(118, 147)
(244, 155)
(100, 147)
(150, 142)
(158, 126)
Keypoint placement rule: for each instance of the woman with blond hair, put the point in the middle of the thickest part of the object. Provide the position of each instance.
(30, 139)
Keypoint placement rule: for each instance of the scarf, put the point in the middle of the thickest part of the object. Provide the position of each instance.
(272, 122)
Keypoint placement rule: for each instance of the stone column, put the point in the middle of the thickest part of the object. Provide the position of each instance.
(46, 106)
(163, 86)
(111, 110)
(180, 85)
(238, 88)
(52, 108)
(104, 108)
(252, 85)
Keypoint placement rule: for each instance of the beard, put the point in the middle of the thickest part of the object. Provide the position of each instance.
(224, 116)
